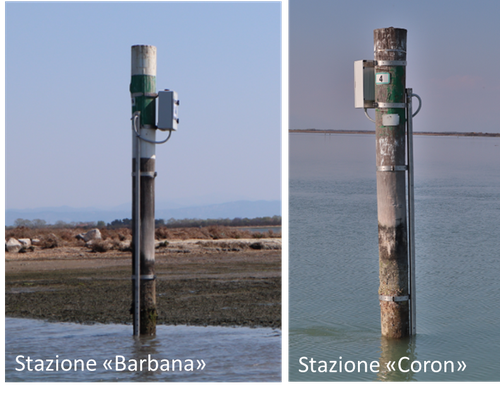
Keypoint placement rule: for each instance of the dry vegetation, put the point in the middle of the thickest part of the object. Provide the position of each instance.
(119, 238)
(212, 232)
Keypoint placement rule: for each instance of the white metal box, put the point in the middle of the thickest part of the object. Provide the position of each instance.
(168, 110)
(364, 84)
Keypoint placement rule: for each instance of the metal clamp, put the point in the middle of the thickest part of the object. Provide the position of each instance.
(393, 298)
(392, 168)
(391, 63)
(390, 104)
(147, 174)
(391, 50)
(146, 277)
(141, 94)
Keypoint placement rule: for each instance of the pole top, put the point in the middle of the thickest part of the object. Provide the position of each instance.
(390, 28)
(143, 47)
(390, 44)
(144, 60)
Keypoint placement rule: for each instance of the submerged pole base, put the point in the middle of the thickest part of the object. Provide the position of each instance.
(148, 322)
(149, 311)
(394, 319)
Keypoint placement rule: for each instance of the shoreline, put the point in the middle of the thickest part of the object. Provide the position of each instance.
(424, 133)
(130, 324)
(217, 283)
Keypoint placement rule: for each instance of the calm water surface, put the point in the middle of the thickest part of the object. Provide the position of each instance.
(334, 309)
(230, 354)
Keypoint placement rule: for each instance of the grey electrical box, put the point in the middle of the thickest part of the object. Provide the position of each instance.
(168, 110)
(364, 84)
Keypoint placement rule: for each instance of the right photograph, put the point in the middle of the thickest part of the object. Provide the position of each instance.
(394, 191)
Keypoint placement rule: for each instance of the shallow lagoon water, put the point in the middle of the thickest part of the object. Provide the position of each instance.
(237, 354)
(334, 309)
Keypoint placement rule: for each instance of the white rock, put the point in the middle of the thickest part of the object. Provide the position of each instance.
(12, 245)
(25, 242)
(93, 234)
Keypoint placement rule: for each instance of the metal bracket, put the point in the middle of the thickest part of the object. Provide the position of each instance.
(391, 50)
(147, 174)
(146, 277)
(392, 168)
(390, 63)
(390, 104)
(141, 94)
(393, 298)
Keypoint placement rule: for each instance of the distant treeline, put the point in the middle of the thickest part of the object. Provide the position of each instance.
(171, 223)
(38, 224)
(197, 223)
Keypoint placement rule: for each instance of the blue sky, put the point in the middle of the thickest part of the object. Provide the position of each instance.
(452, 53)
(67, 129)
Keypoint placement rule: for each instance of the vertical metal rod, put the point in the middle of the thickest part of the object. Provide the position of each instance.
(411, 214)
(137, 227)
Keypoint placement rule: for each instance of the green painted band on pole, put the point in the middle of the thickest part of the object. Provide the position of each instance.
(144, 104)
(396, 91)
(143, 84)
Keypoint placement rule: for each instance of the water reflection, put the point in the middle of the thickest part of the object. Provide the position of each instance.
(228, 354)
(397, 355)
(333, 258)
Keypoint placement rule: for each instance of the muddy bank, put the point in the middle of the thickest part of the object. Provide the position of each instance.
(206, 285)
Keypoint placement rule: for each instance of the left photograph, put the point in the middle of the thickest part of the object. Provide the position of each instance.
(143, 192)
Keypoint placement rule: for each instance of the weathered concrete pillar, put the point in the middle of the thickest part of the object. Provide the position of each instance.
(143, 92)
(390, 83)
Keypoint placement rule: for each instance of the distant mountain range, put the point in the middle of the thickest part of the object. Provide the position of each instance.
(241, 209)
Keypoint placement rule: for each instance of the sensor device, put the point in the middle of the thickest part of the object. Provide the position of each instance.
(364, 84)
(168, 110)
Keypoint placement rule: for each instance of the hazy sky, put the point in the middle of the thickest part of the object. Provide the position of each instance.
(68, 107)
(452, 52)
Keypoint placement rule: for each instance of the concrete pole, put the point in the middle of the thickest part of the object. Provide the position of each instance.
(143, 93)
(390, 81)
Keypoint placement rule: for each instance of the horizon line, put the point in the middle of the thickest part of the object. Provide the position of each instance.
(428, 133)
